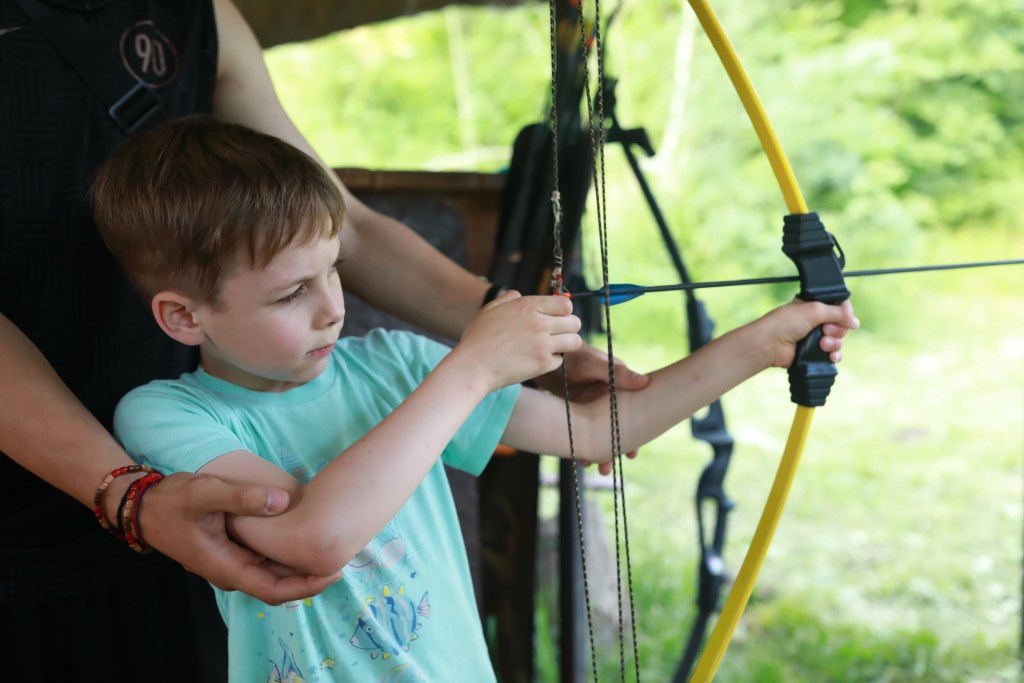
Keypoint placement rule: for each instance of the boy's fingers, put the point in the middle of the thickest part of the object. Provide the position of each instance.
(837, 331)
(552, 305)
(502, 298)
(848, 319)
(563, 324)
(567, 343)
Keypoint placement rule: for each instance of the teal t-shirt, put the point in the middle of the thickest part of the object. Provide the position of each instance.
(404, 609)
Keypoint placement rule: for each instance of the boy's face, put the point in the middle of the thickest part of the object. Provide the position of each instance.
(276, 327)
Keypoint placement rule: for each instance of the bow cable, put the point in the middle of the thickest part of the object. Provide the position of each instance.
(597, 139)
(558, 288)
(709, 426)
(597, 144)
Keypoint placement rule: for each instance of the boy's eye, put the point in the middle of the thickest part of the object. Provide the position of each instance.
(299, 291)
(337, 265)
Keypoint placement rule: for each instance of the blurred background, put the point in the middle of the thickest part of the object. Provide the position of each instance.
(899, 557)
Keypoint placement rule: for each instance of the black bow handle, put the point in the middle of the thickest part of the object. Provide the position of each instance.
(819, 259)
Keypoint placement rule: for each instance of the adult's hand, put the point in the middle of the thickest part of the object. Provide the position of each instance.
(586, 373)
(184, 518)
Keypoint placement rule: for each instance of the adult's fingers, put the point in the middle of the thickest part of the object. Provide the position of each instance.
(274, 583)
(240, 499)
(184, 518)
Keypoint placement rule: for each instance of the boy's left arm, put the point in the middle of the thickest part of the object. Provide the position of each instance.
(679, 390)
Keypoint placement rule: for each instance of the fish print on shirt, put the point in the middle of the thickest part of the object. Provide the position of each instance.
(390, 623)
(287, 670)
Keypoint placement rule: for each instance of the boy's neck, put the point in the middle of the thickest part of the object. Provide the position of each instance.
(215, 367)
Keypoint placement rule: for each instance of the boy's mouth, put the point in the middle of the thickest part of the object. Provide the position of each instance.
(322, 351)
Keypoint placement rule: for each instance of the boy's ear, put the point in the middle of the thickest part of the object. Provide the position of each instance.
(174, 314)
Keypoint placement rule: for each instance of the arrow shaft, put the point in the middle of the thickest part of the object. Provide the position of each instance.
(684, 286)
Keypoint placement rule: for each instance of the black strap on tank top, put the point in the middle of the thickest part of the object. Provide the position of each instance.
(129, 102)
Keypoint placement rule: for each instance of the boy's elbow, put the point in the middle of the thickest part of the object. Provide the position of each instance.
(320, 550)
(323, 564)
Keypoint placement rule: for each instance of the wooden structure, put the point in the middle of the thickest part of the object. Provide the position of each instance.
(287, 21)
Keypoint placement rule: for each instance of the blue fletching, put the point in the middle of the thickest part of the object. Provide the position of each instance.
(621, 293)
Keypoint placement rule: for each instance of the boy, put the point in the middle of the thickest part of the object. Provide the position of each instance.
(232, 236)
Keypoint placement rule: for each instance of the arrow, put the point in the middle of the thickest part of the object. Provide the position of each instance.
(621, 293)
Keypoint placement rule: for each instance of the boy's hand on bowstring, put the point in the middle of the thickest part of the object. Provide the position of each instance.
(515, 338)
(790, 323)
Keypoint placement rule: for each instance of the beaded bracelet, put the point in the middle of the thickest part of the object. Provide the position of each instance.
(97, 498)
(120, 512)
(130, 514)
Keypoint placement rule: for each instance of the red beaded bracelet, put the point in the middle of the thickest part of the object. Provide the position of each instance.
(97, 498)
(130, 515)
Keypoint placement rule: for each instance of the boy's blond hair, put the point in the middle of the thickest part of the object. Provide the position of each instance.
(182, 205)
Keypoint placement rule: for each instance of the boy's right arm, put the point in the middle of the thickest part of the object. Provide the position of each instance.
(350, 500)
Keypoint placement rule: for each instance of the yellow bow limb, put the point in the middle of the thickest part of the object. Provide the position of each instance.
(743, 585)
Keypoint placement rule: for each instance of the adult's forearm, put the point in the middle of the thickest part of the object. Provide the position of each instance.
(396, 270)
(44, 428)
(386, 263)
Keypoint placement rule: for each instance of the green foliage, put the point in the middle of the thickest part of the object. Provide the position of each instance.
(386, 96)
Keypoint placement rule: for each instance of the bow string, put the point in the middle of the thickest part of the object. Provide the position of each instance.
(709, 426)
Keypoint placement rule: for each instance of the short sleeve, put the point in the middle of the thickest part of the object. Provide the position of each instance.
(472, 446)
(173, 428)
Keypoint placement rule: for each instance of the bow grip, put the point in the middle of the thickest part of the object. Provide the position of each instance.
(819, 260)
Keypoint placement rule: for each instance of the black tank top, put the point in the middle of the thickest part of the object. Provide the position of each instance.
(58, 283)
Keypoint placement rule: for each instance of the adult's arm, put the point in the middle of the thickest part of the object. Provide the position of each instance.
(386, 263)
(46, 430)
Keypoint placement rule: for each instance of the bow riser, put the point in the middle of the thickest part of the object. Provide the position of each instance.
(820, 261)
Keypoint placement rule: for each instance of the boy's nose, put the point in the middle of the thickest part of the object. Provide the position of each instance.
(332, 309)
